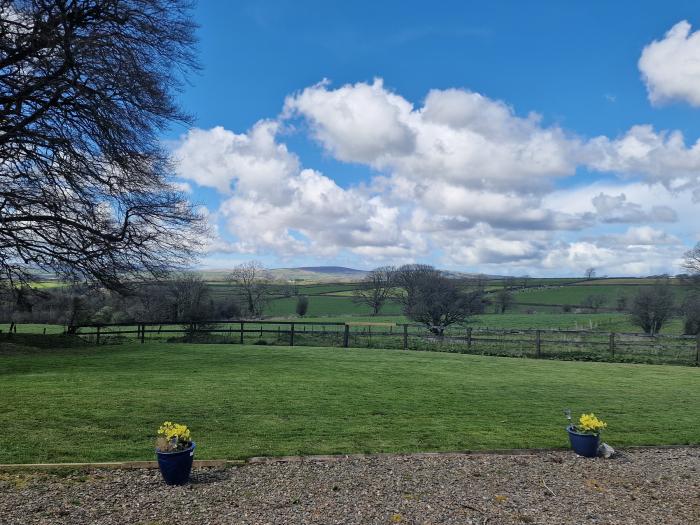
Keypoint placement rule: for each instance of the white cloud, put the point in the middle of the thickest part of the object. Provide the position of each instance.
(616, 209)
(462, 177)
(465, 139)
(457, 136)
(670, 67)
(184, 187)
(273, 205)
(218, 158)
(360, 123)
(655, 156)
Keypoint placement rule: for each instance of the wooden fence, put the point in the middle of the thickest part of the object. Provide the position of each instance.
(551, 344)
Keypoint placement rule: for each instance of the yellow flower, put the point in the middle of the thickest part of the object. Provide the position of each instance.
(174, 432)
(590, 423)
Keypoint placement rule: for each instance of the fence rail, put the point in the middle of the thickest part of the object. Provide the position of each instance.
(550, 344)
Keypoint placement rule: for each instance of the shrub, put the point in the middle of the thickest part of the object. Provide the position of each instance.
(302, 305)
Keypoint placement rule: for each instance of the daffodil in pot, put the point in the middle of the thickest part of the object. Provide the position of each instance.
(584, 436)
(175, 452)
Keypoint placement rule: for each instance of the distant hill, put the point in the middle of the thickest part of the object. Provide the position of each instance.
(329, 269)
(318, 274)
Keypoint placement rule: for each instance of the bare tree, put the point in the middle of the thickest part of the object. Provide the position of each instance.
(86, 88)
(376, 288)
(691, 313)
(692, 264)
(692, 260)
(651, 307)
(190, 300)
(589, 273)
(503, 300)
(409, 278)
(435, 300)
(302, 305)
(253, 282)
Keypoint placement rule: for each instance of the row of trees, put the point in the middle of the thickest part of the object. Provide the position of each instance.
(184, 297)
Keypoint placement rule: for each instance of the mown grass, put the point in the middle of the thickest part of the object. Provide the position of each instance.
(100, 404)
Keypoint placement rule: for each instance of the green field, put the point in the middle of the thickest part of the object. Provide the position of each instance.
(576, 294)
(101, 404)
(34, 328)
(326, 306)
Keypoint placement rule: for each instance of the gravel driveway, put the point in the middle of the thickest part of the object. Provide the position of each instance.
(659, 486)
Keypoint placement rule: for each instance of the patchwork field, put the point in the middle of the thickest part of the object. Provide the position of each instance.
(101, 404)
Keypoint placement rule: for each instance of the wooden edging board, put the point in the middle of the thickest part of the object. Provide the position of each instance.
(222, 463)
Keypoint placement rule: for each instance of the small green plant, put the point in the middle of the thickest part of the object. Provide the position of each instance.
(173, 437)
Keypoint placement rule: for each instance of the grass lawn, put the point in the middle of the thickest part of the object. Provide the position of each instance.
(102, 404)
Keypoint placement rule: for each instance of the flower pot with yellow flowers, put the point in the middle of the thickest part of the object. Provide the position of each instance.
(584, 436)
(175, 452)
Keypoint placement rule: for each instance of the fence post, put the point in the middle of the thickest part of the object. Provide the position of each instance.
(538, 343)
(405, 337)
(242, 323)
(143, 333)
(97, 338)
(291, 336)
(469, 339)
(346, 336)
(697, 350)
(612, 344)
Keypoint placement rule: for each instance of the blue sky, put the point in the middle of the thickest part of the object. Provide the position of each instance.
(361, 172)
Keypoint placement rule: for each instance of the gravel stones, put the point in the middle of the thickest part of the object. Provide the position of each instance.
(650, 486)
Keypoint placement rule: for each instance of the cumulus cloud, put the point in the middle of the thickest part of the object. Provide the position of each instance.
(656, 156)
(457, 136)
(460, 176)
(218, 158)
(468, 140)
(623, 255)
(616, 209)
(273, 205)
(670, 67)
(359, 123)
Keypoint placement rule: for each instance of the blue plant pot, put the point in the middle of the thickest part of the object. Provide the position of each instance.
(176, 466)
(585, 445)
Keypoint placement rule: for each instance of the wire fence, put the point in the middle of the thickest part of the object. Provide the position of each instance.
(545, 344)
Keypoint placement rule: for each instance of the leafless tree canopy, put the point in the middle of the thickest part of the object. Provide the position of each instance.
(190, 299)
(409, 278)
(692, 260)
(376, 288)
(86, 87)
(431, 298)
(503, 300)
(253, 280)
(302, 305)
(652, 306)
(589, 273)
